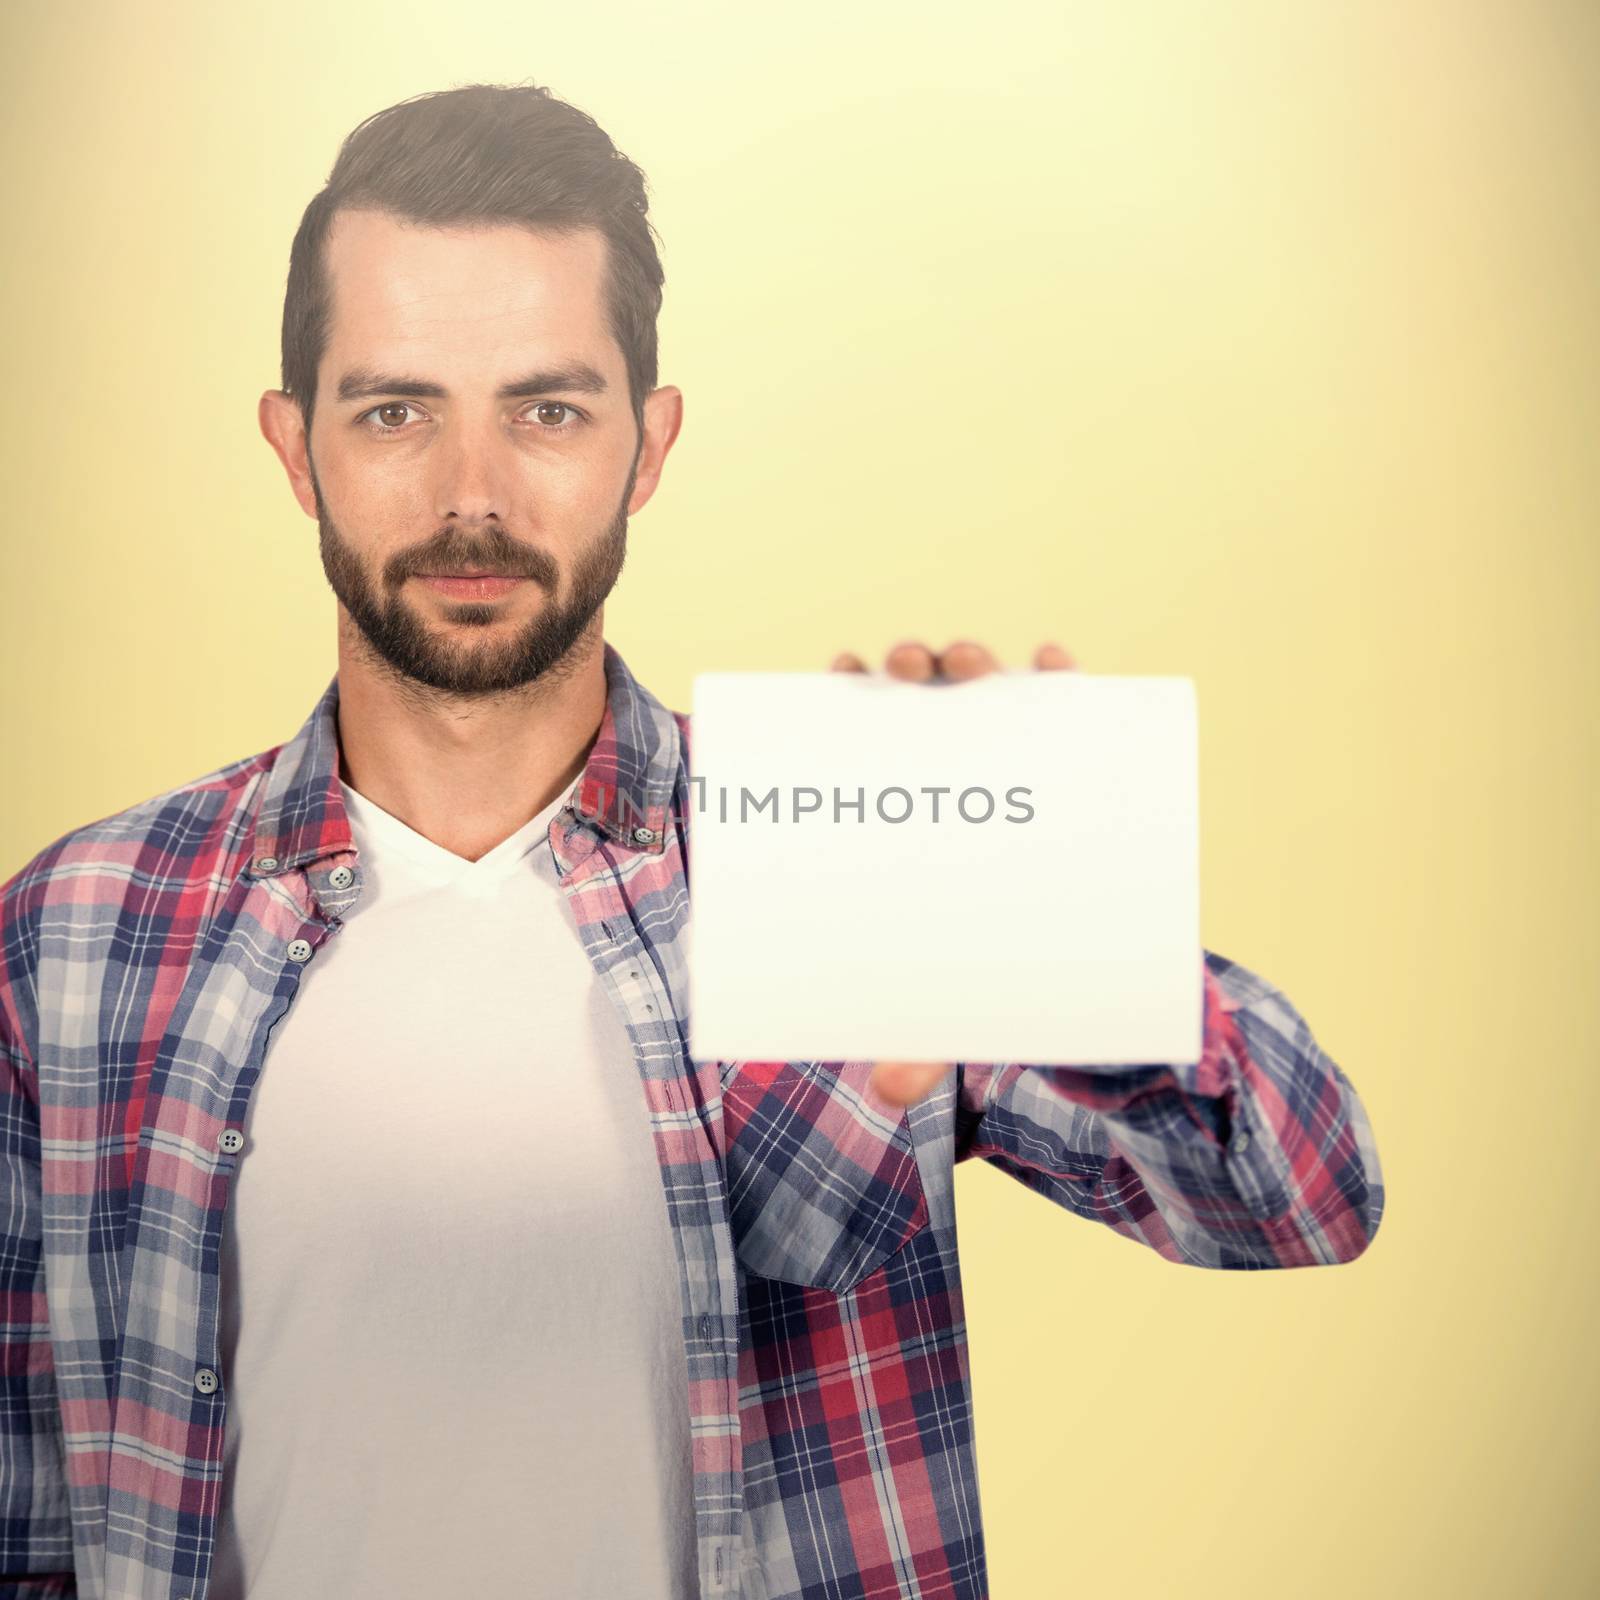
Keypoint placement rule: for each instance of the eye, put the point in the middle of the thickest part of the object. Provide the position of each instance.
(385, 417)
(545, 426)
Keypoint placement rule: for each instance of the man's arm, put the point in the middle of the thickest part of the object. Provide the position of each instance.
(35, 1521)
(1258, 1155)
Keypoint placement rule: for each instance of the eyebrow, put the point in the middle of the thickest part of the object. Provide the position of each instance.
(575, 377)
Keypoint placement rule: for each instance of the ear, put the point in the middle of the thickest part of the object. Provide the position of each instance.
(285, 430)
(663, 416)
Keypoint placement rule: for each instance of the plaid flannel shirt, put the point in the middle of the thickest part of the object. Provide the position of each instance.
(147, 956)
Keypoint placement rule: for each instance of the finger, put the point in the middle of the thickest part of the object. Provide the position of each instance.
(848, 661)
(965, 659)
(912, 661)
(904, 1083)
(1052, 658)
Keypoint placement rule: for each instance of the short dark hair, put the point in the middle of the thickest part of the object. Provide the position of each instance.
(484, 153)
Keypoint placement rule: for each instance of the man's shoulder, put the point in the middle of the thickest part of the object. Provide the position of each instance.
(75, 898)
(174, 834)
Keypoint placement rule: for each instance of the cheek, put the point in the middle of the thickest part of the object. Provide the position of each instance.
(360, 487)
(566, 502)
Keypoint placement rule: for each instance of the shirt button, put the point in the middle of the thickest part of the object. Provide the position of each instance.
(205, 1380)
(644, 835)
(267, 864)
(299, 950)
(341, 877)
(230, 1139)
(1242, 1142)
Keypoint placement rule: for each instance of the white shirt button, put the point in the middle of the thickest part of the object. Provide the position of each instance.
(1242, 1142)
(341, 877)
(299, 950)
(230, 1139)
(267, 864)
(205, 1380)
(644, 835)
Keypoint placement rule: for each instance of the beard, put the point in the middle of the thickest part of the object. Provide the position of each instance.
(416, 650)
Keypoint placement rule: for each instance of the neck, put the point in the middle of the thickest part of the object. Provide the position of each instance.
(467, 773)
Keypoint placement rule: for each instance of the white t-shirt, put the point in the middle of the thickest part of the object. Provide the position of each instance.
(452, 1348)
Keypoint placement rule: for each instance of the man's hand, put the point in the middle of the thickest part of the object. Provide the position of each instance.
(904, 1083)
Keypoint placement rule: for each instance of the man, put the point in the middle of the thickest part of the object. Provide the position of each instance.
(368, 1230)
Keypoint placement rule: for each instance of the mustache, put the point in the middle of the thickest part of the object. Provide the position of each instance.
(500, 558)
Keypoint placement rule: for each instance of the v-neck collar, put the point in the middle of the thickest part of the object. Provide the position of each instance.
(390, 833)
(624, 794)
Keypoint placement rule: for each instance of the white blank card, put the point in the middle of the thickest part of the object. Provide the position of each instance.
(1004, 869)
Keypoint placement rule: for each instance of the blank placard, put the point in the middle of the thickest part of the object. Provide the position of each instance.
(1005, 869)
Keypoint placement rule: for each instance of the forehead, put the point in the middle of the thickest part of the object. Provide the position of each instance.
(480, 293)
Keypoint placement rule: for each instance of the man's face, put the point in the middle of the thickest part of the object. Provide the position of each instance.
(456, 431)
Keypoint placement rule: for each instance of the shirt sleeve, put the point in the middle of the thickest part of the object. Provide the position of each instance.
(35, 1519)
(1260, 1154)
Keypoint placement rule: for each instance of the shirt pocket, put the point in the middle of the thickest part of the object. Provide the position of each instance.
(822, 1187)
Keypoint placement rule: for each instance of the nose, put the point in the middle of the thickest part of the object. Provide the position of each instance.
(472, 482)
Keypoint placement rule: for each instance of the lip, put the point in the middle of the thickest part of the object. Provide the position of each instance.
(487, 588)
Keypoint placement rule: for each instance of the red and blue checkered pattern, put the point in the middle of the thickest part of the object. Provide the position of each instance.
(146, 958)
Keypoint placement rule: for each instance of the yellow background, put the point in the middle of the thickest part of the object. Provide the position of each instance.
(1255, 342)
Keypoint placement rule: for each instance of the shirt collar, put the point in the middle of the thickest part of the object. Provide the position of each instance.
(623, 793)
